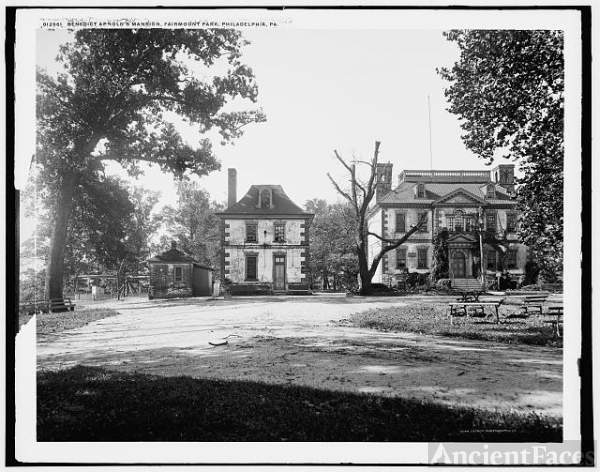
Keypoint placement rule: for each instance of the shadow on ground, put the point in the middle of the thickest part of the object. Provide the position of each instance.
(93, 404)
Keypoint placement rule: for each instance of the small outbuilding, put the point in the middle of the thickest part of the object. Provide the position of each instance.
(174, 274)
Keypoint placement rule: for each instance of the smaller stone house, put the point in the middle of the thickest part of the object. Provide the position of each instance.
(174, 274)
(265, 240)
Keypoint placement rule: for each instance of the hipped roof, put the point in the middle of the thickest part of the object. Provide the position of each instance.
(175, 255)
(281, 204)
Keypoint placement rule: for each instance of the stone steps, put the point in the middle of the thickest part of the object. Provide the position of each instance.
(466, 284)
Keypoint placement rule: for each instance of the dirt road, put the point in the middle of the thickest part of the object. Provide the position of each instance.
(299, 341)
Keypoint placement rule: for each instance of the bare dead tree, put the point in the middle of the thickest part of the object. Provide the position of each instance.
(360, 195)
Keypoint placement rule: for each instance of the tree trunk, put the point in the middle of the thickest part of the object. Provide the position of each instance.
(365, 274)
(56, 260)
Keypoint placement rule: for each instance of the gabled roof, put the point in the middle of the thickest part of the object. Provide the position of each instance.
(461, 238)
(172, 255)
(281, 204)
(460, 195)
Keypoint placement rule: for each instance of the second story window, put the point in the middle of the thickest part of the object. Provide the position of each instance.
(279, 233)
(490, 222)
(511, 222)
(400, 222)
(420, 190)
(251, 232)
(423, 227)
(458, 221)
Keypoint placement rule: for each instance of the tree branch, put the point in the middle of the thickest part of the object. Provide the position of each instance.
(340, 191)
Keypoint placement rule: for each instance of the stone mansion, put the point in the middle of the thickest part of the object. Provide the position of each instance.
(477, 207)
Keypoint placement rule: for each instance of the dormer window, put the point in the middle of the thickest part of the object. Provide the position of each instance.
(420, 191)
(265, 199)
(490, 191)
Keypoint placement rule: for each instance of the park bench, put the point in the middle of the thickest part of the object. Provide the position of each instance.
(476, 305)
(298, 289)
(45, 306)
(556, 311)
(534, 301)
(61, 304)
(34, 306)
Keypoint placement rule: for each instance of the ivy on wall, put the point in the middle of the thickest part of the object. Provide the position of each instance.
(439, 267)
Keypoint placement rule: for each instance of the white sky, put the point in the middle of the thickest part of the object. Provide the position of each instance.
(326, 89)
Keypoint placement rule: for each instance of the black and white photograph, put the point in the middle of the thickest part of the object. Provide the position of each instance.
(309, 236)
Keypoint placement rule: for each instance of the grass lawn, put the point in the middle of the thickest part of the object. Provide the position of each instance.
(92, 404)
(429, 315)
(49, 324)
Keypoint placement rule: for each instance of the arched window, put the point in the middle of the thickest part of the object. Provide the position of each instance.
(420, 190)
(265, 198)
(458, 220)
(490, 191)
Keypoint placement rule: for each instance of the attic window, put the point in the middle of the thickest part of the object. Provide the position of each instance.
(490, 191)
(265, 197)
(420, 190)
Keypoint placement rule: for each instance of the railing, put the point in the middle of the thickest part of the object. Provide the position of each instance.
(445, 175)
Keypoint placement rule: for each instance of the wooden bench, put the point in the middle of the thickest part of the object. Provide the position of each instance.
(558, 312)
(34, 306)
(46, 306)
(61, 304)
(298, 289)
(534, 301)
(455, 306)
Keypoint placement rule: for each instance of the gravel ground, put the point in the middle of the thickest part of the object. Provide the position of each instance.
(297, 341)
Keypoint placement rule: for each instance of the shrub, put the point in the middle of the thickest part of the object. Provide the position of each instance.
(444, 284)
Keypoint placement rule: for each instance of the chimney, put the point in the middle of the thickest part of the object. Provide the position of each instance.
(232, 187)
(173, 245)
(384, 180)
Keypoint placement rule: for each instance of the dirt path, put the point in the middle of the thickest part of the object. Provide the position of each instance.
(299, 342)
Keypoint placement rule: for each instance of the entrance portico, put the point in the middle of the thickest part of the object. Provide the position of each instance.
(461, 249)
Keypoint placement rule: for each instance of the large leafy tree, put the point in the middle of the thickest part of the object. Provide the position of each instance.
(359, 195)
(507, 88)
(193, 224)
(114, 101)
(109, 230)
(332, 244)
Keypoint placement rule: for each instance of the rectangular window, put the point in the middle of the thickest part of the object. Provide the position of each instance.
(401, 258)
(468, 223)
(251, 265)
(178, 274)
(423, 227)
(511, 259)
(450, 222)
(279, 233)
(251, 232)
(511, 222)
(490, 220)
(400, 222)
(422, 258)
(491, 260)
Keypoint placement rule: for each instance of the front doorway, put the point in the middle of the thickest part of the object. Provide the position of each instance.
(458, 265)
(278, 272)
